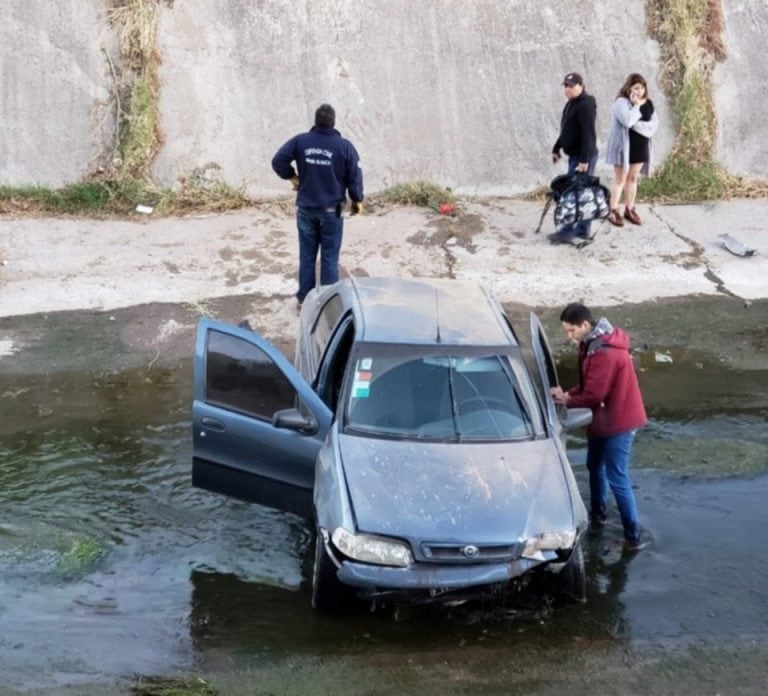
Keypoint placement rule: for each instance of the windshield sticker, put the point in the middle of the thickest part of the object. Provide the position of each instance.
(361, 390)
(361, 386)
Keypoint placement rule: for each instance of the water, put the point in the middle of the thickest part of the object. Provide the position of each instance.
(112, 565)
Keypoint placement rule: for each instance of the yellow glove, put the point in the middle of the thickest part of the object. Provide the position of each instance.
(356, 208)
(295, 182)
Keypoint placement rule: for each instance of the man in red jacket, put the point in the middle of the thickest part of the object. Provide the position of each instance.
(607, 385)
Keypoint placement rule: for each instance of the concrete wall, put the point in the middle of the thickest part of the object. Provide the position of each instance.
(741, 95)
(465, 93)
(55, 120)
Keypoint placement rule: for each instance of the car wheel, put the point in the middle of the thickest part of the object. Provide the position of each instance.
(328, 594)
(571, 581)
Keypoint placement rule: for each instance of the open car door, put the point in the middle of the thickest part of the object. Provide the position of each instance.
(257, 424)
(558, 415)
(547, 373)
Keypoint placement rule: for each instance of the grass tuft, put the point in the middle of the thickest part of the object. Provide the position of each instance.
(419, 193)
(81, 553)
(172, 686)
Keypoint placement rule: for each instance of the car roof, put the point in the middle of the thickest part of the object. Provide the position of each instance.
(428, 311)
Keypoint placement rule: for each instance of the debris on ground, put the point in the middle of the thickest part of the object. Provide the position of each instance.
(735, 246)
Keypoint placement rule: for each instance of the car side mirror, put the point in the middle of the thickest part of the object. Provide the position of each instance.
(577, 418)
(293, 419)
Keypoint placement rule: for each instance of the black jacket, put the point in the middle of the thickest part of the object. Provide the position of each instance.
(328, 166)
(577, 128)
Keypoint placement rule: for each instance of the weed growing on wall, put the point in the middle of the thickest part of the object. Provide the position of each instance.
(139, 137)
(689, 36)
(689, 33)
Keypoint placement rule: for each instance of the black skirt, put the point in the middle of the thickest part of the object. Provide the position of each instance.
(639, 150)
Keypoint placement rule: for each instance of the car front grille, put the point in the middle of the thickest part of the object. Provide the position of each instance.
(470, 553)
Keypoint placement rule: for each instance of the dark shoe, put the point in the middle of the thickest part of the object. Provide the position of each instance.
(631, 215)
(597, 520)
(555, 238)
(578, 242)
(614, 217)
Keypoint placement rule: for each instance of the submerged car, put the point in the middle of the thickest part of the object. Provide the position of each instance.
(410, 432)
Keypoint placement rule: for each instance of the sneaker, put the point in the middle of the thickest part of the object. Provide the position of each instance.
(631, 215)
(614, 217)
(581, 242)
(633, 545)
(597, 520)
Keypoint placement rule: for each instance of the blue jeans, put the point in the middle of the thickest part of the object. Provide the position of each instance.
(578, 229)
(608, 465)
(319, 228)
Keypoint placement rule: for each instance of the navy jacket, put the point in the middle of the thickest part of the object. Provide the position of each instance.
(577, 128)
(328, 166)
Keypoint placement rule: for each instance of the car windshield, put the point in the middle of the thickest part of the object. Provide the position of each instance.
(454, 394)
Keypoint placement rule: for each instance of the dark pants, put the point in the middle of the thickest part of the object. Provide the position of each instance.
(319, 228)
(578, 229)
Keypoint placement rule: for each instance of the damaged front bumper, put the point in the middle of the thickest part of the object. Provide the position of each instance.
(428, 582)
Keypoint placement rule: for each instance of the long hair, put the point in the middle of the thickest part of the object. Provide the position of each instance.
(633, 79)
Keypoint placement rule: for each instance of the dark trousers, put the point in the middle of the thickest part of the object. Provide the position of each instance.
(319, 229)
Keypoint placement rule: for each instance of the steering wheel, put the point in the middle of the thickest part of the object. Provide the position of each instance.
(484, 402)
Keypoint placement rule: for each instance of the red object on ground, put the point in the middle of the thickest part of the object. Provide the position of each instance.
(447, 208)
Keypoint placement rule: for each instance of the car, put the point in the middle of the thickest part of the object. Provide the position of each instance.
(410, 432)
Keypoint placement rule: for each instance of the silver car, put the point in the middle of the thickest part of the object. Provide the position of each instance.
(410, 432)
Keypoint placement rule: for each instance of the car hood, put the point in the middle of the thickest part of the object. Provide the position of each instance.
(478, 493)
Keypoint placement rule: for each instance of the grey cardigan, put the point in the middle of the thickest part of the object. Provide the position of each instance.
(625, 116)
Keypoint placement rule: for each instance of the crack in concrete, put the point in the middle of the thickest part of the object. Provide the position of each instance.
(697, 257)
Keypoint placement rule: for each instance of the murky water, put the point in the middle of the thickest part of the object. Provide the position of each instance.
(111, 564)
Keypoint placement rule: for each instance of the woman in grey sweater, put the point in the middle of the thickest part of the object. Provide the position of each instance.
(634, 122)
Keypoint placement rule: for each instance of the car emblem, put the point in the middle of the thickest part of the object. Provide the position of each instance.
(471, 551)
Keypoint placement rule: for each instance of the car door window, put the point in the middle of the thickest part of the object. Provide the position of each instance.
(546, 372)
(239, 376)
(334, 363)
(326, 320)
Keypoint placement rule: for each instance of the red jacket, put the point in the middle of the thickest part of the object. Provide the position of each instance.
(608, 385)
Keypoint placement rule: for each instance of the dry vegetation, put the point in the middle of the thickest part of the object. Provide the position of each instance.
(690, 33)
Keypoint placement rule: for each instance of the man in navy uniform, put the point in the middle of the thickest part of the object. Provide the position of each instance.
(327, 167)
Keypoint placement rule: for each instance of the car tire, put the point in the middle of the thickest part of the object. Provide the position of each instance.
(571, 581)
(328, 594)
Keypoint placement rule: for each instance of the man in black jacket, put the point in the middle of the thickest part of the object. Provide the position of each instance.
(578, 140)
(327, 167)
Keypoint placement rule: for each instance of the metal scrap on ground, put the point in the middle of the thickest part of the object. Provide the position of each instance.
(735, 246)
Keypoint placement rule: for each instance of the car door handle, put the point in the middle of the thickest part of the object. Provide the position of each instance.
(213, 424)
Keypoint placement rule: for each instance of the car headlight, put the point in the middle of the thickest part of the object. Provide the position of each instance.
(549, 541)
(372, 549)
